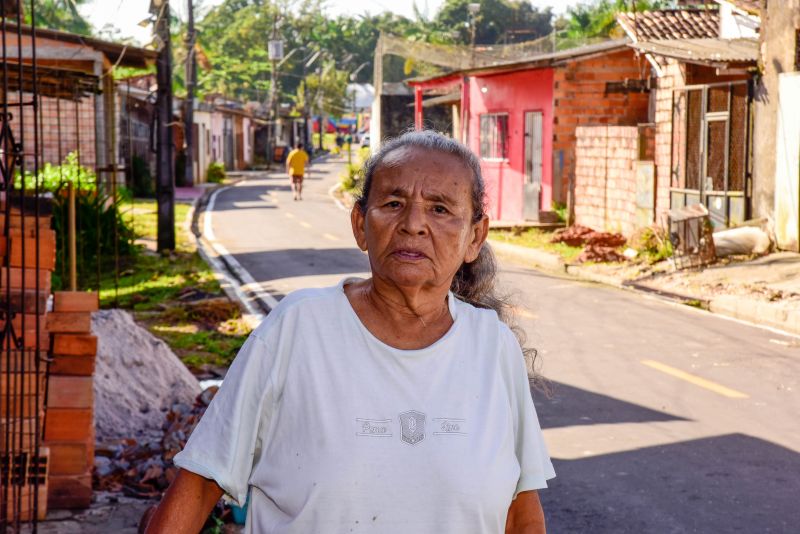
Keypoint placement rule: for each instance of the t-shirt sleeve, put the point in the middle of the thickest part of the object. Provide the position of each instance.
(226, 442)
(534, 461)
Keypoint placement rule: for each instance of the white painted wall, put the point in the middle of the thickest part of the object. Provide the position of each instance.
(787, 164)
(735, 24)
(203, 121)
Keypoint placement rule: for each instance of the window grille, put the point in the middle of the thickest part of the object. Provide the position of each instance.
(494, 136)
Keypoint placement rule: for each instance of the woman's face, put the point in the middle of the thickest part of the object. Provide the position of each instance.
(418, 226)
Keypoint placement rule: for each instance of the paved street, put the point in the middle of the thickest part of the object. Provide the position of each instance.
(660, 418)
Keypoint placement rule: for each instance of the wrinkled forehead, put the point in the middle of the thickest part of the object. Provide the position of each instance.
(426, 163)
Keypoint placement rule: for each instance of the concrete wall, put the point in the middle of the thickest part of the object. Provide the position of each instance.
(787, 171)
(779, 23)
(605, 177)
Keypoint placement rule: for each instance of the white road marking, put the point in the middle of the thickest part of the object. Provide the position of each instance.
(304, 224)
(251, 289)
(696, 380)
(330, 237)
(289, 215)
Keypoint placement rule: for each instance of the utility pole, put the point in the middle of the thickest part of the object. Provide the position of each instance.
(165, 177)
(191, 80)
(319, 104)
(275, 50)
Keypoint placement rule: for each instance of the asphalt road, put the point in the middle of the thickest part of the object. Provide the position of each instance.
(659, 418)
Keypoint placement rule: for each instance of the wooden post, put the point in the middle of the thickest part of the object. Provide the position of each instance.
(72, 238)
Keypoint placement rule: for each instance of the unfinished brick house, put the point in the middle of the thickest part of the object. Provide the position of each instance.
(521, 118)
(57, 97)
(702, 96)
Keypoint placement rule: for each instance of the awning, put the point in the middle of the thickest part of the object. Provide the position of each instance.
(716, 52)
(453, 97)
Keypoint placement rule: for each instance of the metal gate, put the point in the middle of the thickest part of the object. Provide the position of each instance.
(532, 185)
(711, 150)
(22, 371)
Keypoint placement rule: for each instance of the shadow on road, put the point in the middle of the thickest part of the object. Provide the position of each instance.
(571, 406)
(728, 483)
(290, 263)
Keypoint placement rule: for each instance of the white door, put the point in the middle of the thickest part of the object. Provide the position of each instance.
(532, 187)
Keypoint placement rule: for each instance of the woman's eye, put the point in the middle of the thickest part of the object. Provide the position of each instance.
(440, 209)
(392, 204)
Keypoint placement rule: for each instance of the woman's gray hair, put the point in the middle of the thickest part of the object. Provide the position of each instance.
(475, 282)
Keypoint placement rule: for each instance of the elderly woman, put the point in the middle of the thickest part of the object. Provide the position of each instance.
(395, 404)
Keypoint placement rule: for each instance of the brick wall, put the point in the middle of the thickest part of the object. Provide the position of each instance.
(74, 125)
(580, 99)
(605, 177)
(673, 76)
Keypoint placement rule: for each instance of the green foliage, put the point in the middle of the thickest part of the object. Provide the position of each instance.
(98, 218)
(59, 15)
(497, 21)
(539, 239)
(652, 243)
(561, 210)
(215, 173)
(598, 18)
(352, 178)
(53, 178)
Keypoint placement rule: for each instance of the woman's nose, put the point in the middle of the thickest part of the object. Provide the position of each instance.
(414, 221)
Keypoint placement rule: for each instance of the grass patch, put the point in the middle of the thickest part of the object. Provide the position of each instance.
(535, 238)
(175, 295)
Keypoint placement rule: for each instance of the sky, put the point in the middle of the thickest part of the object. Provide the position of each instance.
(125, 15)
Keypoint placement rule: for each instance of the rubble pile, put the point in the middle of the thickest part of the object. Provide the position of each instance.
(598, 246)
(144, 469)
(137, 379)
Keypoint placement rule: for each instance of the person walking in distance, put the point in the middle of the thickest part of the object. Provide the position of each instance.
(296, 167)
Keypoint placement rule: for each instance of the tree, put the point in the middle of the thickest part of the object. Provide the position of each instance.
(498, 21)
(599, 18)
(60, 15)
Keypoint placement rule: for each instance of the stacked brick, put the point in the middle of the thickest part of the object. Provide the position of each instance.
(69, 429)
(24, 290)
(605, 177)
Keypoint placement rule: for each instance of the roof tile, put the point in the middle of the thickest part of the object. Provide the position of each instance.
(670, 24)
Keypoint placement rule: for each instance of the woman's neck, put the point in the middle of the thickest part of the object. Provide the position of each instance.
(401, 317)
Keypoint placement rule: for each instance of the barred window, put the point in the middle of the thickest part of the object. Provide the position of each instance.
(494, 136)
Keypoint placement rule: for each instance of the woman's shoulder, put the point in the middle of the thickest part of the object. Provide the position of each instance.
(299, 303)
(483, 321)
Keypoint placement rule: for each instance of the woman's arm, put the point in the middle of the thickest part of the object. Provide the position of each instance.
(525, 515)
(186, 505)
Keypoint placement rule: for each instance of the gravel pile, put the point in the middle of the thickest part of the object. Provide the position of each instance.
(137, 381)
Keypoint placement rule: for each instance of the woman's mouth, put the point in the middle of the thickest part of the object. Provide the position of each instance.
(409, 254)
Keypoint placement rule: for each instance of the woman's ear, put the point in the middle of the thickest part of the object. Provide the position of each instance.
(358, 221)
(479, 233)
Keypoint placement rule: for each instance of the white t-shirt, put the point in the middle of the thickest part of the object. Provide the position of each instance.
(331, 430)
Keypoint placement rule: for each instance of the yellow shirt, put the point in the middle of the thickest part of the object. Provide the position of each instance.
(296, 162)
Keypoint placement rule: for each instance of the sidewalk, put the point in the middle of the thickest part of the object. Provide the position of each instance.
(764, 291)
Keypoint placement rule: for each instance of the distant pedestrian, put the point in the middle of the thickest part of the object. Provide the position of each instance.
(296, 168)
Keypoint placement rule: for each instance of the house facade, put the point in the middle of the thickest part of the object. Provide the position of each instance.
(521, 119)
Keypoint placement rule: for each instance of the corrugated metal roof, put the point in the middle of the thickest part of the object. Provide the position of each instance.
(703, 50)
(536, 60)
(670, 24)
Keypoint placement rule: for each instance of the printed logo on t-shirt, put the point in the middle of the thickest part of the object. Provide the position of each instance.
(374, 428)
(412, 425)
(449, 426)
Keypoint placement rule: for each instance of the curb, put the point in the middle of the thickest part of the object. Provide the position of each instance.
(755, 313)
(236, 282)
